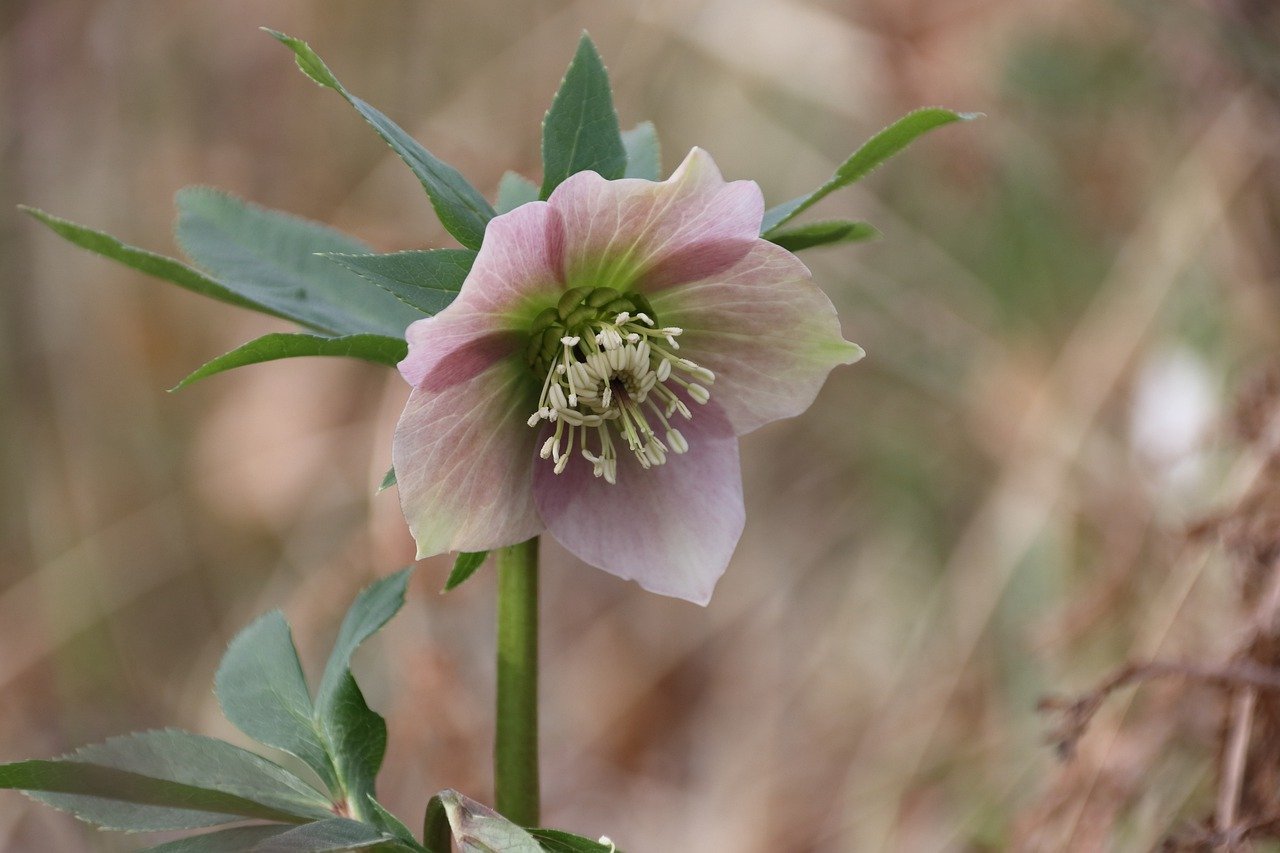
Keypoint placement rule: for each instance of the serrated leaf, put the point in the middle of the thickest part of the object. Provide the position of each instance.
(159, 266)
(234, 840)
(166, 779)
(464, 567)
(263, 692)
(479, 829)
(380, 349)
(644, 153)
(515, 190)
(388, 480)
(580, 131)
(426, 280)
(326, 835)
(813, 234)
(463, 211)
(272, 257)
(873, 152)
(557, 841)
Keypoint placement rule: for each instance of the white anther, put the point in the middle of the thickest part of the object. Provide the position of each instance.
(633, 338)
(571, 416)
(535, 417)
(698, 393)
(561, 463)
(547, 446)
(573, 400)
(570, 341)
(677, 442)
(664, 370)
(621, 318)
(645, 318)
(607, 397)
(558, 400)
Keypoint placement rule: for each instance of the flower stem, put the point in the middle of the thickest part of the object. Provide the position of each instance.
(515, 750)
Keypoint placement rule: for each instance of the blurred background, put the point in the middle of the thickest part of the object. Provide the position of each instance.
(1054, 460)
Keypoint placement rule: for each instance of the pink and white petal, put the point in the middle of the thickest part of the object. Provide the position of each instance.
(463, 457)
(671, 529)
(652, 235)
(521, 260)
(454, 346)
(765, 329)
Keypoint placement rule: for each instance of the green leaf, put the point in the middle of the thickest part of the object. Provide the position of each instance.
(462, 210)
(873, 152)
(464, 567)
(336, 833)
(556, 841)
(822, 234)
(580, 131)
(515, 190)
(359, 738)
(388, 823)
(372, 609)
(427, 280)
(478, 829)
(159, 266)
(263, 692)
(234, 840)
(644, 153)
(379, 349)
(166, 779)
(357, 734)
(272, 257)
(388, 480)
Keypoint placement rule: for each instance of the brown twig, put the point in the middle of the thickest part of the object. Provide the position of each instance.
(1079, 712)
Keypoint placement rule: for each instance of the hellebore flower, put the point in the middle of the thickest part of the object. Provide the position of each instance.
(594, 373)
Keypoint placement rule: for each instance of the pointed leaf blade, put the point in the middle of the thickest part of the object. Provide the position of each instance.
(464, 567)
(426, 280)
(515, 190)
(373, 607)
(166, 779)
(334, 834)
(644, 152)
(580, 131)
(463, 211)
(827, 233)
(873, 152)
(379, 349)
(388, 480)
(263, 692)
(557, 841)
(272, 257)
(155, 265)
(234, 840)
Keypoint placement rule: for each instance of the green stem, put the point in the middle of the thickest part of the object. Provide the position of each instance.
(515, 750)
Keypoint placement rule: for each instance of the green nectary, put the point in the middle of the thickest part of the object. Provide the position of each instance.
(574, 315)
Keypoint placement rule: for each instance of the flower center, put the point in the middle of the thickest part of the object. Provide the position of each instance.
(610, 377)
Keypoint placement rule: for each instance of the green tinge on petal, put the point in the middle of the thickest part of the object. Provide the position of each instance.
(463, 457)
(765, 329)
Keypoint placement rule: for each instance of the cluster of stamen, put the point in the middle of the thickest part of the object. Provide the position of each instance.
(610, 378)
